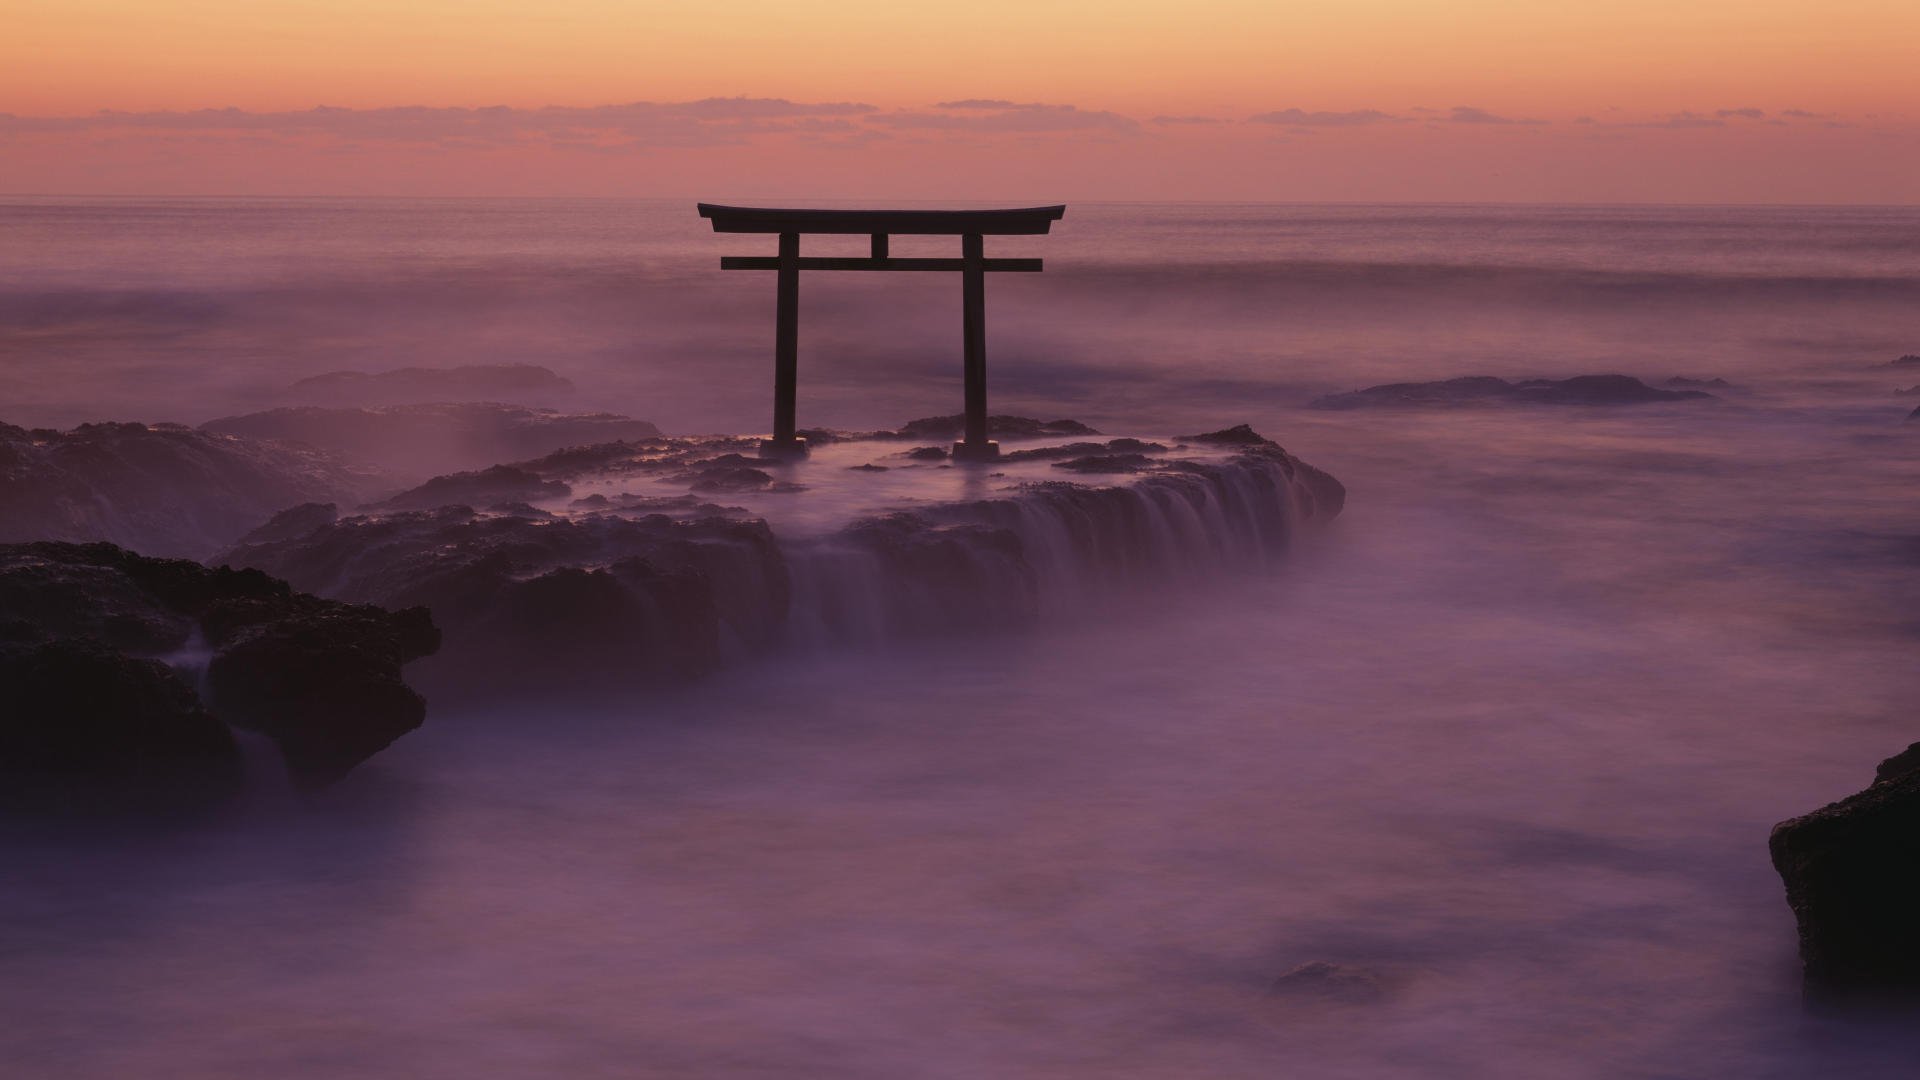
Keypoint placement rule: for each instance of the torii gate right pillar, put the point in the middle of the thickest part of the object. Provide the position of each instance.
(975, 446)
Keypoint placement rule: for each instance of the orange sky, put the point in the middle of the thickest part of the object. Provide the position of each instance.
(1684, 100)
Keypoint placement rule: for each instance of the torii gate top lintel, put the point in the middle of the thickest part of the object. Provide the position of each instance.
(970, 225)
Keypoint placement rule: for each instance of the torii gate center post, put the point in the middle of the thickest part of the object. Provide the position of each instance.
(971, 226)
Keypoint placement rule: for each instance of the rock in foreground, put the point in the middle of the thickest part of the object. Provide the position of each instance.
(1487, 390)
(1852, 872)
(99, 648)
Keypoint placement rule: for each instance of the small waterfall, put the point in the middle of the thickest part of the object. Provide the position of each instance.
(1045, 549)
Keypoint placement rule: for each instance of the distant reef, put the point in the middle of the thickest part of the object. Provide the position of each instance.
(1488, 390)
(1852, 872)
(122, 676)
(163, 489)
(526, 383)
(422, 440)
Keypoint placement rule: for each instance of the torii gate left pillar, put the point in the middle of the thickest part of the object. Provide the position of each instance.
(972, 226)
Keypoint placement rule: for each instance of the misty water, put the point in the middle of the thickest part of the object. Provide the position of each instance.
(1507, 738)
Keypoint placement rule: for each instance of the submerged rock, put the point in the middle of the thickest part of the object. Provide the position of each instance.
(469, 382)
(416, 440)
(1320, 981)
(1852, 874)
(161, 488)
(1485, 389)
(92, 635)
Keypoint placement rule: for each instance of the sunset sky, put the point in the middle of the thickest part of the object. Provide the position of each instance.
(1635, 100)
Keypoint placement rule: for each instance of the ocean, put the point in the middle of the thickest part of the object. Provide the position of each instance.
(1507, 740)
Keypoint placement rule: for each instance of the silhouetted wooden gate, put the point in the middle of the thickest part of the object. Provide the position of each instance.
(971, 226)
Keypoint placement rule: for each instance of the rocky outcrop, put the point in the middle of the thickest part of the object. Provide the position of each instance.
(421, 440)
(471, 382)
(544, 602)
(998, 427)
(1909, 360)
(1487, 390)
(1852, 874)
(487, 487)
(160, 488)
(114, 666)
(1681, 382)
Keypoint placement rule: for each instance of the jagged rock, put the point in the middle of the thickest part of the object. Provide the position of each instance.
(84, 624)
(1852, 874)
(540, 603)
(1485, 389)
(471, 382)
(501, 483)
(1319, 981)
(414, 440)
(161, 488)
(998, 427)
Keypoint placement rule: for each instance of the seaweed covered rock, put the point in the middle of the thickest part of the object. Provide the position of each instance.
(100, 644)
(160, 488)
(1852, 874)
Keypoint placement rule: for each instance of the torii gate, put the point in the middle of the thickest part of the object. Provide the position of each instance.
(970, 225)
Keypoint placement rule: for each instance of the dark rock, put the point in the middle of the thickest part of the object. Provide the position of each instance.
(600, 600)
(1852, 873)
(414, 440)
(1485, 389)
(998, 427)
(321, 678)
(1107, 463)
(471, 382)
(730, 478)
(293, 523)
(1084, 449)
(161, 488)
(1912, 416)
(1238, 435)
(927, 453)
(1911, 391)
(501, 483)
(868, 467)
(1910, 360)
(1681, 382)
(1899, 765)
(88, 728)
(1319, 981)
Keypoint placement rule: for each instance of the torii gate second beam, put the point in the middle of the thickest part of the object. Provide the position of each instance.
(970, 225)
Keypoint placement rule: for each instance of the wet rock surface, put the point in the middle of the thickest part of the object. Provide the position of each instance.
(123, 667)
(1852, 875)
(415, 440)
(1485, 390)
(556, 569)
(163, 489)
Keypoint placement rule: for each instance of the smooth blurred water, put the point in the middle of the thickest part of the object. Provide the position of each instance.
(1510, 737)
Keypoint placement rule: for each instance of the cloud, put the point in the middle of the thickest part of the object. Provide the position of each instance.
(1184, 120)
(1467, 114)
(1741, 114)
(1683, 119)
(989, 115)
(1302, 118)
(706, 122)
